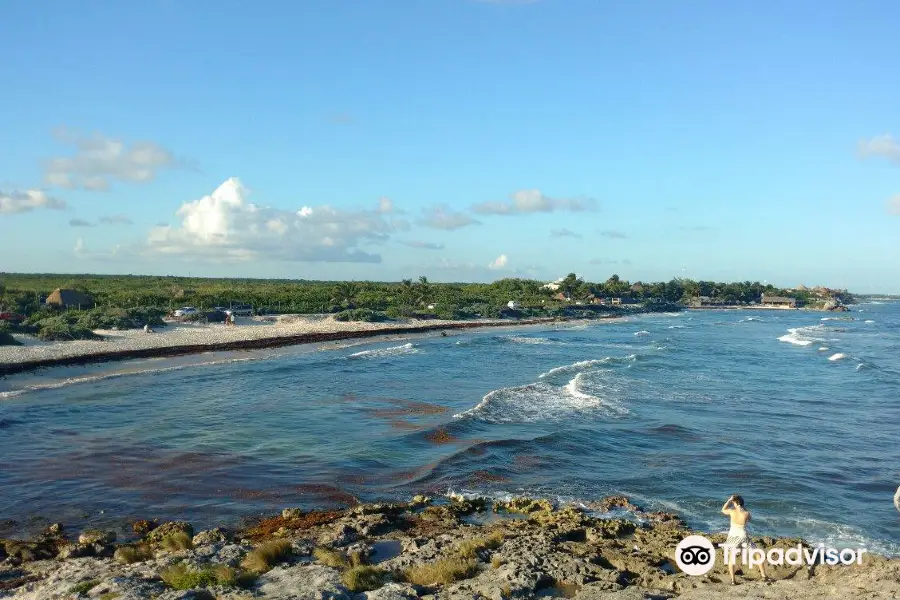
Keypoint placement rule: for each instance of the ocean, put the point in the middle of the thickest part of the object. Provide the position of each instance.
(796, 411)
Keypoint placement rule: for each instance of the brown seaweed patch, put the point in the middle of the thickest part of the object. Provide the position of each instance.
(529, 461)
(328, 493)
(247, 494)
(405, 408)
(486, 477)
(265, 528)
(404, 424)
(440, 436)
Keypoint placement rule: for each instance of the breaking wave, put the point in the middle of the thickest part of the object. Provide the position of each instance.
(837, 356)
(802, 336)
(642, 332)
(541, 401)
(408, 348)
(584, 365)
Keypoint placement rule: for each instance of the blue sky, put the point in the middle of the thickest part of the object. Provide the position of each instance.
(457, 139)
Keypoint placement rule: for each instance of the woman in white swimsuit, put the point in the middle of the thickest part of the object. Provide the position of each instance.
(738, 537)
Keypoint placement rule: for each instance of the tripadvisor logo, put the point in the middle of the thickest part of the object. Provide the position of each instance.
(696, 555)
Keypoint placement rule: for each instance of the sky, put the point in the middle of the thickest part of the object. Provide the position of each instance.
(463, 140)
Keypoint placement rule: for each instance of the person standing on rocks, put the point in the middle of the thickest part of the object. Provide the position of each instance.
(738, 538)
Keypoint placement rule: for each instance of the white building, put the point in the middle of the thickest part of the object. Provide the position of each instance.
(513, 305)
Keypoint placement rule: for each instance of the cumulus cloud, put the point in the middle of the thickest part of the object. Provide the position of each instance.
(98, 160)
(893, 205)
(118, 219)
(226, 226)
(613, 235)
(881, 145)
(80, 223)
(385, 205)
(498, 263)
(533, 201)
(17, 201)
(424, 245)
(443, 217)
(561, 233)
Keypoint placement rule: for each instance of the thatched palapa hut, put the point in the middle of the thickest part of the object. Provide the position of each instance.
(61, 298)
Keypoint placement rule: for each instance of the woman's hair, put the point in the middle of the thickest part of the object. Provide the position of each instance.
(738, 500)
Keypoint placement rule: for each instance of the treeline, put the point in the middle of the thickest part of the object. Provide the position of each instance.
(23, 293)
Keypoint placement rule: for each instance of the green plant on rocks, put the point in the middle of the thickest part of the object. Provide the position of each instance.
(176, 541)
(470, 548)
(363, 578)
(443, 571)
(331, 558)
(128, 555)
(182, 577)
(267, 555)
(84, 587)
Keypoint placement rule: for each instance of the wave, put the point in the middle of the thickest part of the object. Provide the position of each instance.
(527, 340)
(837, 356)
(584, 365)
(802, 336)
(823, 348)
(869, 321)
(752, 319)
(408, 348)
(540, 402)
(642, 332)
(836, 535)
(675, 327)
(52, 385)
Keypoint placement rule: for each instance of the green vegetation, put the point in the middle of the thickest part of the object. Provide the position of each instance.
(128, 555)
(267, 555)
(331, 558)
(182, 577)
(131, 301)
(6, 337)
(84, 587)
(471, 548)
(176, 541)
(444, 571)
(363, 578)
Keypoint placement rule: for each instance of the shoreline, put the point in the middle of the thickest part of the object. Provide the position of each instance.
(169, 342)
(458, 548)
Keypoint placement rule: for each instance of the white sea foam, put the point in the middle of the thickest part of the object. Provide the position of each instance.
(675, 327)
(823, 348)
(642, 332)
(408, 348)
(527, 340)
(584, 365)
(869, 321)
(837, 356)
(803, 336)
(541, 401)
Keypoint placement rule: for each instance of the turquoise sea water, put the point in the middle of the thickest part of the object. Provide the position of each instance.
(796, 411)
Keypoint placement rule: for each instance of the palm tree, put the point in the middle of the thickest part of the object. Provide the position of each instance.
(345, 293)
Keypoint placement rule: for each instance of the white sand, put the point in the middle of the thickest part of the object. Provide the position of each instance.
(182, 334)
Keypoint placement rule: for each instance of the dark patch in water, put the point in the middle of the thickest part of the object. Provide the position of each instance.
(481, 477)
(7, 423)
(404, 424)
(440, 436)
(677, 432)
(405, 408)
(327, 494)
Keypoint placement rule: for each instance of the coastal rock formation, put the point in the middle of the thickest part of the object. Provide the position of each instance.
(527, 549)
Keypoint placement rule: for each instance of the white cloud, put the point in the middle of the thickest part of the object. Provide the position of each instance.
(99, 160)
(118, 219)
(498, 263)
(443, 217)
(425, 245)
(80, 223)
(225, 226)
(561, 233)
(533, 201)
(881, 145)
(15, 201)
(893, 205)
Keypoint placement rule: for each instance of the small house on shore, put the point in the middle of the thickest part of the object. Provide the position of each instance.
(778, 302)
(61, 298)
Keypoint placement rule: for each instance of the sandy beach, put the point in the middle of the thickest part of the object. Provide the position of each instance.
(188, 338)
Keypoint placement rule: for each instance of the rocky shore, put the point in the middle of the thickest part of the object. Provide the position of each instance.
(454, 550)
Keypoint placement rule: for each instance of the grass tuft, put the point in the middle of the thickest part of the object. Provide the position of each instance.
(363, 578)
(182, 577)
(267, 555)
(331, 558)
(128, 555)
(497, 561)
(444, 571)
(177, 541)
(471, 548)
(84, 587)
